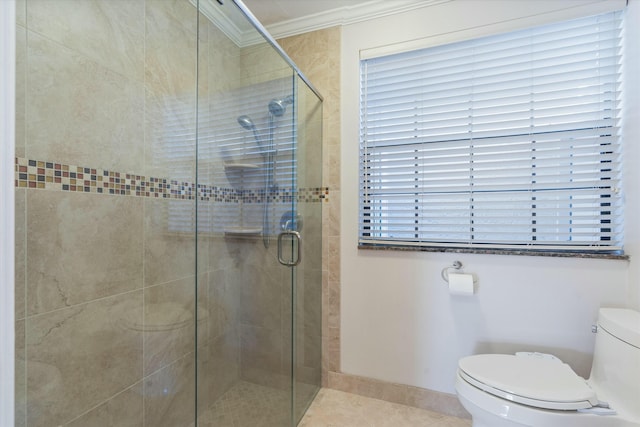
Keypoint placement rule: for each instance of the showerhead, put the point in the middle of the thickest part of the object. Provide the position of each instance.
(246, 122)
(277, 107)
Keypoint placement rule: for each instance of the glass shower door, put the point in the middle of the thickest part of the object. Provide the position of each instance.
(258, 339)
(307, 275)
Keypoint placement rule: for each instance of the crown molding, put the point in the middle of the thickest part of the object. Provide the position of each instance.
(222, 21)
(347, 15)
(341, 16)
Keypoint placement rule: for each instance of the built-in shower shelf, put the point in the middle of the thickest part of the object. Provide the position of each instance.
(242, 232)
(240, 166)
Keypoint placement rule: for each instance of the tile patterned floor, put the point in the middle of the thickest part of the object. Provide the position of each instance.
(248, 405)
(252, 405)
(332, 408)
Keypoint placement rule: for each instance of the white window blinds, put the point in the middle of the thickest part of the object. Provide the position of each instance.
(509, 141)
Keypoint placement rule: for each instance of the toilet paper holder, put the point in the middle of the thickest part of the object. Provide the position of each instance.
(457, 266)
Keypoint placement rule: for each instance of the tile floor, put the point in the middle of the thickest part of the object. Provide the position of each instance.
(332, 408)
(247, 404)
(252, 405)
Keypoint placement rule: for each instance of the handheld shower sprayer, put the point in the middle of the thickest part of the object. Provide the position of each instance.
(277, 108)
(246, 122)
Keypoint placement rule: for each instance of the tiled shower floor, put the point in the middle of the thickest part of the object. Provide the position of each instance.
(247, 404)
(252, 405)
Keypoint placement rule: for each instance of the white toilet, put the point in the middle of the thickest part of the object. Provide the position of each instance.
(534, 389)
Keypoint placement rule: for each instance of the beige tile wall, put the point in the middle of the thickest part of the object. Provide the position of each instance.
(78, 110)
(266, 292)
(308, 312)
(75, 252)
(317, 54)
(104, 293)
(220, 272)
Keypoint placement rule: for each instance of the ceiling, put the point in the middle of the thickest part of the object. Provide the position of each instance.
(270, 12)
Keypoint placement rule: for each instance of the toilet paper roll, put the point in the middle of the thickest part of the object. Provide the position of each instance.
(460, 284)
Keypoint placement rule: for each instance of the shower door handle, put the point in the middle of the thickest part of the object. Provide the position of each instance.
(297, 241)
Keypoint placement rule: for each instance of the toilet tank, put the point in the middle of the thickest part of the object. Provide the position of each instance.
(615, 373)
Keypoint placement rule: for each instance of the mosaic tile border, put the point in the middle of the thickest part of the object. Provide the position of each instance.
(53, 176)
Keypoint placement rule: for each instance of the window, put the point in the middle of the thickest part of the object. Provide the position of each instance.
(509, 142)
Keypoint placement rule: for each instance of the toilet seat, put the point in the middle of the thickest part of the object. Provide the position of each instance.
(534, 381)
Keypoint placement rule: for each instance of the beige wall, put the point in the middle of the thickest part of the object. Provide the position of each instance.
(317, 54)
(105, 297)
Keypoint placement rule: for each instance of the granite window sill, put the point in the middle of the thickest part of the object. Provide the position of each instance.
(543, 253)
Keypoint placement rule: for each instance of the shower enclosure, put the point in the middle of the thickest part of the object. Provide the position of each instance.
(168, 218)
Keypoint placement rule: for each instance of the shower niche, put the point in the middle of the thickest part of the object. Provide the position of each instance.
(238, 174)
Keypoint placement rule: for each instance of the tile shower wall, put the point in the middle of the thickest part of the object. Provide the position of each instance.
(317, 54)
(104, 293)
(264, 317)
(105, 297)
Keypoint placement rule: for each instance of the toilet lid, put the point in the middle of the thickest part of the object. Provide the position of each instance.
(533, 381)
